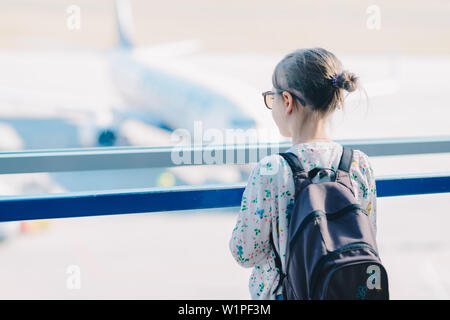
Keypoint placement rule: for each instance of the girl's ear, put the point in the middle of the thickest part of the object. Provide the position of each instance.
(288, 102)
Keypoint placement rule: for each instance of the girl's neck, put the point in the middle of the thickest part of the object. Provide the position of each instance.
(296, 141)
(318, 136)
(311, 129)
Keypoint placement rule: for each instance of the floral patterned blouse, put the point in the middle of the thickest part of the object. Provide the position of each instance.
(266, 203)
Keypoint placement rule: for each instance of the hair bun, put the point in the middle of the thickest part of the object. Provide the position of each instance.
(347, 81)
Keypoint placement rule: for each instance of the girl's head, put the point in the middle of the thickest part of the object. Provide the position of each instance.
(308, 86)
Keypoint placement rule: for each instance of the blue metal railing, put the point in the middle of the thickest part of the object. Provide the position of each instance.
(81, 204)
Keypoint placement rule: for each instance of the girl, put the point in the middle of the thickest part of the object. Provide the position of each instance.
(308, 86)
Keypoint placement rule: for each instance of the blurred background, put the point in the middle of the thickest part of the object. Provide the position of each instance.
(85, 74)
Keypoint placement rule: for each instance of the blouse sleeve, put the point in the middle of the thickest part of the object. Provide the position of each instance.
(366, 185)
(250, 240)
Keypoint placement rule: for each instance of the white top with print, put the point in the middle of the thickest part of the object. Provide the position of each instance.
(269, 197)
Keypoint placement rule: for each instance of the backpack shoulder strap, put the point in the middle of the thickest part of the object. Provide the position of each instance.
(346, 159)
(293, 161)
(278, 264)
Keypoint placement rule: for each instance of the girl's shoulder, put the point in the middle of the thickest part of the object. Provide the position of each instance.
(360, 157)
(361, 165)
(317, 154)
(274, 166)
(311, 155)
(271, 165)
(328, 155)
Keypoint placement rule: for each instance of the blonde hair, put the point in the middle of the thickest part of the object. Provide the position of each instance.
(315, 75)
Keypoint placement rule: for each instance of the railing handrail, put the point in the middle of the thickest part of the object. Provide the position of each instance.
(111, 158)
(125, 201)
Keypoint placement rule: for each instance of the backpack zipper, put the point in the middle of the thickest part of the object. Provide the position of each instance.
(318, 213)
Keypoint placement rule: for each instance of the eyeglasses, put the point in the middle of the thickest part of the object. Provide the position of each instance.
(269, 96)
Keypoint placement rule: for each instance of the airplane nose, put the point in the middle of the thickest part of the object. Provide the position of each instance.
(243, 123)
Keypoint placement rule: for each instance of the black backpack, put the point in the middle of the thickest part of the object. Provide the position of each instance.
(332, 251)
